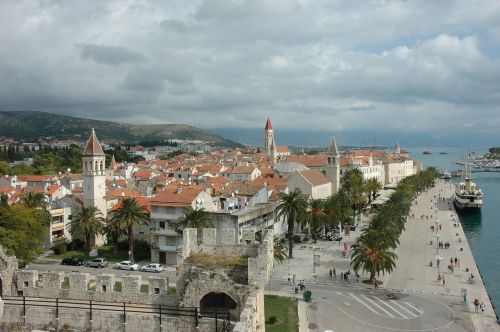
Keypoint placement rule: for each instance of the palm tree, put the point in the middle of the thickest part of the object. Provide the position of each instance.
(279, 251)
(128, 215)
(315, 217)
(292, 207)
(113, 231)
(194, 218)
(372, 186)
(372, 255)
(33, 200)
(87, 224)
(352, 184)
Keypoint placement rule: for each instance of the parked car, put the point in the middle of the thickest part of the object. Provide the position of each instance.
(127, 265)
(98, 262)
(75, 261)
(152, 268)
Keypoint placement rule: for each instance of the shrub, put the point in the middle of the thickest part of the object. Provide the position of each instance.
(75, 244)
(142, 249)
(272, 320)
(171, 290)
(60, 249)
(307, 296)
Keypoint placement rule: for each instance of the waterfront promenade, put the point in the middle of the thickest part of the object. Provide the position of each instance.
(419, 249)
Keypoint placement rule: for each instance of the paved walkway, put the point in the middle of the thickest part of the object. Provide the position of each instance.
(419, 248)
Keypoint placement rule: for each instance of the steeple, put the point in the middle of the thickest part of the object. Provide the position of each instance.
(93, 147)
(269, 126)
(332, 149)
(398, 148)
(112, 166)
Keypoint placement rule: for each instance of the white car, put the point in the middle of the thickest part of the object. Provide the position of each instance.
(127, 265)
(152, 268)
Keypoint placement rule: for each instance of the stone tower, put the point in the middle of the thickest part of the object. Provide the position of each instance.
(397, 150)
(94, 176)
(333, 166)
(268, 137)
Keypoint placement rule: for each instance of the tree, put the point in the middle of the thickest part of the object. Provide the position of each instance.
(128, 215)
(22, 232)
(372, 186)
(352, 184)
(291, 207)
(4, 201)
(194, 218)
(113, 231)
(87, 224)
(279, 251)
(315, 217)
(372, 255)
(33, 200)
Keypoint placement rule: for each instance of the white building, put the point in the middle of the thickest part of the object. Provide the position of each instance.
(311, 183)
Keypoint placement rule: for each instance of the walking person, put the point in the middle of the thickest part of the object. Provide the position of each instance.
(443, 280)
(334, 273)
(331, 274)
(375, 283)
(482, 307)
(476, 305)
(341, 277)
(289, 279)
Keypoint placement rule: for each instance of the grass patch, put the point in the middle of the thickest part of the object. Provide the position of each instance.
(104, 251)
(118, 286)
(281, 314)
(171, 290)
(145, 289)
(219, 261)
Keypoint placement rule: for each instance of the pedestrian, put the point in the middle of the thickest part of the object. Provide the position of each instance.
(331, 274)
(289, 279)
(439, 226)
(375, 283)
(451, 260)
(482, 307)
(443, 280)
(439, 278)
(476, 305)
(293, 278)
(335, 273)
(465, 298)
(357, 277)
(341, 276)
(456, 260)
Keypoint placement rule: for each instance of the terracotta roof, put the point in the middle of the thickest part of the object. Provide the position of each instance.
(282, 149)
(269, 126)
(272, 181)
(241, 170)
(314, 177)
(52, 189)
(93, 147)
(243, 188)
(34, 178)
(182, 197)
(119, 193)
(314, 161)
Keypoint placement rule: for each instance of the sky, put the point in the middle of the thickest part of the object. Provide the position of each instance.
(429, 68)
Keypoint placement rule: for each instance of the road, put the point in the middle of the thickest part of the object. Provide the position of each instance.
(355, 307)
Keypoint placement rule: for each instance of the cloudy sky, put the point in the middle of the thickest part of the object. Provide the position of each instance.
(412, 66)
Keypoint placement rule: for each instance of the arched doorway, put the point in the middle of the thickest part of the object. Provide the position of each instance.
(219, 301)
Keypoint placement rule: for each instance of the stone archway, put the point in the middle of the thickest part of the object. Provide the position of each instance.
(219, 301)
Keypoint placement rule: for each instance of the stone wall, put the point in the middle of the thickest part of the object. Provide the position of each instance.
(80, 286)
(8, 267)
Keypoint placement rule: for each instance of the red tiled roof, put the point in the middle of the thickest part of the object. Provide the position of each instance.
(181, 197)
(314, 177)
(269, 126)
(141, 201)
(52, 189)
(119, 193)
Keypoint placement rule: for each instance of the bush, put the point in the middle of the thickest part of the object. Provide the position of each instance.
(307, 296)
(75, 244)
(296, 238)
(60, 249)
(272, 320)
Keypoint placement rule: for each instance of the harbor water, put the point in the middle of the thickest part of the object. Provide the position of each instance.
(483, 227)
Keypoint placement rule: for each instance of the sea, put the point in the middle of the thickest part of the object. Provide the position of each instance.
(482, 228)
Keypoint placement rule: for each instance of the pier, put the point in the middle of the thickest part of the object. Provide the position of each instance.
(420, 259)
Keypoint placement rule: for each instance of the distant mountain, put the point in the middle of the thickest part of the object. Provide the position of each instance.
(31, 125)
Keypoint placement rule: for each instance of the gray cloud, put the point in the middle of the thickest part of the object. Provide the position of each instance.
(324, 65)
(109, 55)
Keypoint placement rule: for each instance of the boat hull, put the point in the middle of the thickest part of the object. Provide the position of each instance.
(467, 206)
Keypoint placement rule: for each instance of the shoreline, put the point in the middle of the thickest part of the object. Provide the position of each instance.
(418, 256)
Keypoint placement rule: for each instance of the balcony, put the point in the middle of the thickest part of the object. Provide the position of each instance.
(163, 247)
(163, 231)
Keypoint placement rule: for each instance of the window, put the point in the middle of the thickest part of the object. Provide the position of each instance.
(103, 288)
(162, 224)
(157, 290)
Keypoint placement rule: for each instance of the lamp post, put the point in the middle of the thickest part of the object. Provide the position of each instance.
(438, 260)
(437, 243)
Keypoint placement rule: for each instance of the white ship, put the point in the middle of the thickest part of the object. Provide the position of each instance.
(468, 195)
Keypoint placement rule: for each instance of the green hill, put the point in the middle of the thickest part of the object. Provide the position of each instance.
(32, 125)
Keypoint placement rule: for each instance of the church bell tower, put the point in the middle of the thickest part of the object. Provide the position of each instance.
(333, 166)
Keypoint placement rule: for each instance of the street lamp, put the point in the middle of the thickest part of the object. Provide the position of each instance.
(438, 260)
(437, 242)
